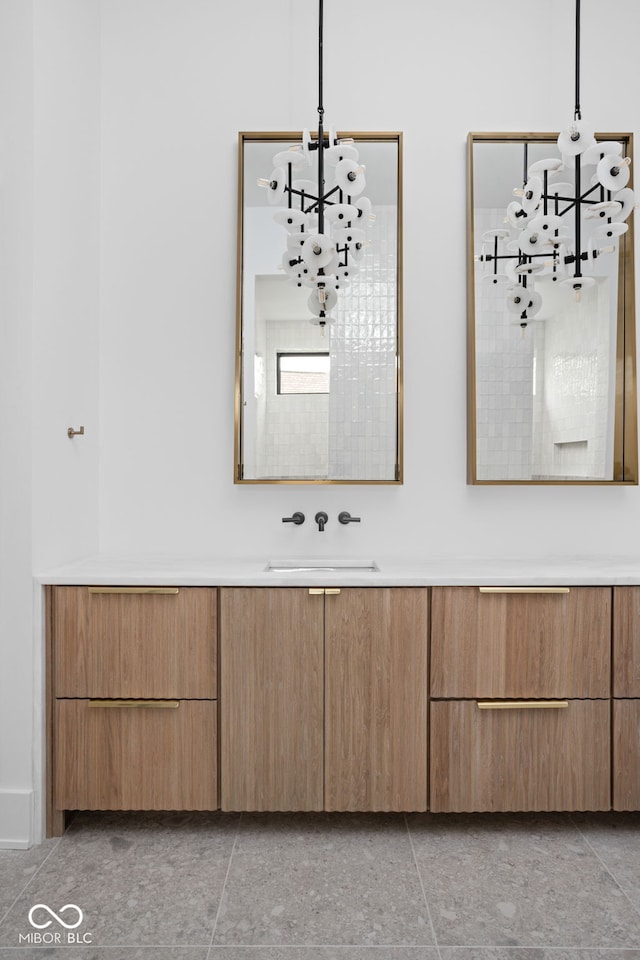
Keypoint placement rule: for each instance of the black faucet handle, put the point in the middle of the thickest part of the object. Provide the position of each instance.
(345, 517)
(321, 518)
(297, 518)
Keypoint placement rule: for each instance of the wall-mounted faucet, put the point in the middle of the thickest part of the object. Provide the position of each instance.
(297, 518)
(321, 518)
(345, 517)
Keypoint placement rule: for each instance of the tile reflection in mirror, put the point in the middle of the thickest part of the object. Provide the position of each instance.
(551, 399)
(352, 433)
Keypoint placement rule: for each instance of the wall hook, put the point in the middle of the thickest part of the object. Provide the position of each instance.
(71, 433)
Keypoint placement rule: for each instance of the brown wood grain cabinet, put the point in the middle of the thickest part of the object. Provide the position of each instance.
(271, 709)
(520, 644)
(132, 699)
(520, 708)
(324, 702)
(550, 758)
(626, 703)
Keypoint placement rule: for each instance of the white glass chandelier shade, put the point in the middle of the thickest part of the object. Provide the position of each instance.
(613, 172)
(577, 138)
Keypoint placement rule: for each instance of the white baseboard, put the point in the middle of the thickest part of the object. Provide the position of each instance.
(16, 819)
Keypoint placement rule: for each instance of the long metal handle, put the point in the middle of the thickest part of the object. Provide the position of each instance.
(136, 704)
(321, 591)
(168, 591)
(524, 589)
(522, 704)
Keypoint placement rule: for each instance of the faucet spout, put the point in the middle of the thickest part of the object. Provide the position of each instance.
(321, 518)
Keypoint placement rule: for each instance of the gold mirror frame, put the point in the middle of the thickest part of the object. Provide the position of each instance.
(283, 140)
(625, 433)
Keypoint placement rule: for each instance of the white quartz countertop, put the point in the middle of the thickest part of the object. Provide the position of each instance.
(112, 570)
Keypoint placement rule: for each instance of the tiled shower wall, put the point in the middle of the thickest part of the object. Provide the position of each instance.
(544, 397)
(294, 436)
(362, 402)
(504, 375)
(351, 432)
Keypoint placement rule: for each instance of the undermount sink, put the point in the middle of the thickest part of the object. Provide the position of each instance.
(322, 566)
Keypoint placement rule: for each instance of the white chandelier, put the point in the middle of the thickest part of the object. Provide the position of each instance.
(326, 218)
(545, 233)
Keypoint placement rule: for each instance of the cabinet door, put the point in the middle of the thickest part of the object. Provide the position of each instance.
(271, 698)
(376, 699)
(147, 757)
(626, 641)
(520, 759)
(520, 644)
(626, 754)
(134, 642)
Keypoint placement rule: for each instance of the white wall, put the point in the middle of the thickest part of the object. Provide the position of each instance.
(49, 195)
(178, 79)
(178, 83)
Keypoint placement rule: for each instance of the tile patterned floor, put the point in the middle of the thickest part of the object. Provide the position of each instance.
(328, 887)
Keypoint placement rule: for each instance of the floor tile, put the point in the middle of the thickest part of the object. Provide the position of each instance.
(615, 838)
(17, 869)
(324, 953)
(104, 953)
(138, 878)
(518, 880)
(323, 879)
(534, 953)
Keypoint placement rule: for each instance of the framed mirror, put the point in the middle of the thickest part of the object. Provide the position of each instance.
(551, 333)
(318, 402)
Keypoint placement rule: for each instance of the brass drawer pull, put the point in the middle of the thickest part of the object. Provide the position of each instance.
(321, 591)
(524, 589)
(172, 591)
(332, 591)
(137, 704)
(522, 704)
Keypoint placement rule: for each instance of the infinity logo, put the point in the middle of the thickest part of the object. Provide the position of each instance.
(56, 916)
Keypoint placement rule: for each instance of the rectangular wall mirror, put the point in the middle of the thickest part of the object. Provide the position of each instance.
(552, 391)
(318, 404)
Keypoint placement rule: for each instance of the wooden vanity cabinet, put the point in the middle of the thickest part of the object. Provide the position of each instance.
(324, 703)
(626, 702)
(271, 678)
(520, 710)
(132, 699)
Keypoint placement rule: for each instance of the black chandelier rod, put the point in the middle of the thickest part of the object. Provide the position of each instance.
(320, 125)
(578, 183)
(577, 115)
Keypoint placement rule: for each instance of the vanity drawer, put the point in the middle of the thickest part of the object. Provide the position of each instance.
(134, 641)
(520, 758)
(112, 755)
(520, 642)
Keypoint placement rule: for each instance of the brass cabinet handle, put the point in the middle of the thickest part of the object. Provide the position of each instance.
(524, 589)
(321, 591)
(136, 704)
(172, 591)
(332, 591)
(522, 704)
